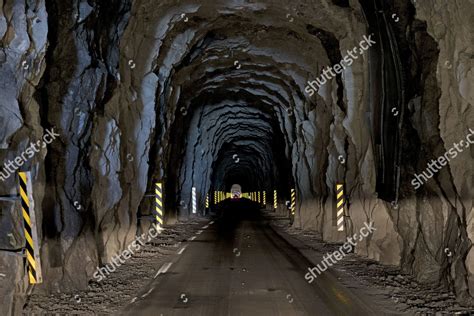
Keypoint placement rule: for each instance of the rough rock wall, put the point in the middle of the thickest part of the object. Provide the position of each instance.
(83, 58)
(444, 206)
(23, 41)
(425, 224)
(159, 91)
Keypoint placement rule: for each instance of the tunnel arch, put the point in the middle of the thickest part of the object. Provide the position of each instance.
(130, 69)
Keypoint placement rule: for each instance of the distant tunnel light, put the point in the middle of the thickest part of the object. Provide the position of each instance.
(235, 191)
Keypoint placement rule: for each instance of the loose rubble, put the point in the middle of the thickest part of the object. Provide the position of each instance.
(406, 294)
(118, 289)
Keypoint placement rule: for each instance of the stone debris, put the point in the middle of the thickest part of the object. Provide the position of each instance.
(117, 290)
(401, 291)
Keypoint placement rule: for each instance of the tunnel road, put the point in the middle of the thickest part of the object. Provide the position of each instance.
(240, 266)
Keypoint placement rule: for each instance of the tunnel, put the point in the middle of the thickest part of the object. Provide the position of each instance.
(236, 157)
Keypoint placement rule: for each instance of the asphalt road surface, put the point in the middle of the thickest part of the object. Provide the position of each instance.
(239, 266)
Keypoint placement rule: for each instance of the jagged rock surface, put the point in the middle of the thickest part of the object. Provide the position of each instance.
(202, 93)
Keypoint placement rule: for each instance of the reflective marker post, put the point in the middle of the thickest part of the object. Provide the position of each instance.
(159, 209)
(275, 199)
(194, 200)
(340, 207)
(31, 233)
(293, 202)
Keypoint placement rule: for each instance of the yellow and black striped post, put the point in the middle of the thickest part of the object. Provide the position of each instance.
(215, 197)
(258, 197)
(159, 205)
(31, 232)
(275, 199)
(293, 202)
(340, 206)
(265, 198)
(207, 200)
